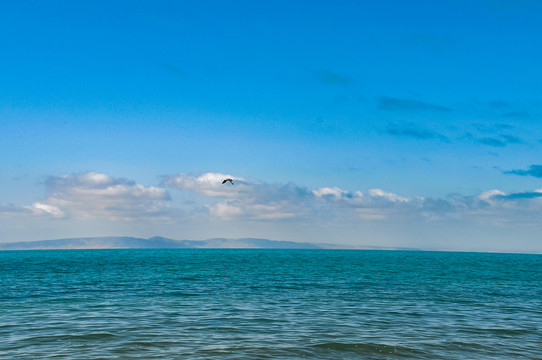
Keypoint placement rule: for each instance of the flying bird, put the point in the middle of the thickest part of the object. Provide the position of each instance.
(226, 180)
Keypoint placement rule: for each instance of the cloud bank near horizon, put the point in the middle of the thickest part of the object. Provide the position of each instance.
(93, 195)
(198, 206)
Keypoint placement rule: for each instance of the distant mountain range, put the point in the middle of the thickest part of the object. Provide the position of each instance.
(157, 242)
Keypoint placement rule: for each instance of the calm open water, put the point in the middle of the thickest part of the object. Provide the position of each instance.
(269, 304)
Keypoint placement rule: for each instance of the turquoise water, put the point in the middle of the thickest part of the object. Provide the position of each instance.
(269, 304)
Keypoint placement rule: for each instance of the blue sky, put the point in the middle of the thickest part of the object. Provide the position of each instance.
(389, 123)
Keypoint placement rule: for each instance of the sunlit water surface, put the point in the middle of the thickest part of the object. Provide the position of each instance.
(269, 304)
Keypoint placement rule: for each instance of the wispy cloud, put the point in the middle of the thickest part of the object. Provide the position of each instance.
(523, 195)
(516, 115)
(509, 139)
(507, 109)
(11, 209)
(499, 104)
(495, 141)
(415, 132)
(491, 207)
(173, 70)
(492, 128)
(329, 77)
(534, 170)
(395, 104)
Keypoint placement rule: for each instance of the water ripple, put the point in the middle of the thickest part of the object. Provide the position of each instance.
(256, 304)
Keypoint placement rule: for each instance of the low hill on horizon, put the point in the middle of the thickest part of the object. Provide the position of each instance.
(158, 242)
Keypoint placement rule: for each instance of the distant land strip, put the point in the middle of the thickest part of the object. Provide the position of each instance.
(158, 242)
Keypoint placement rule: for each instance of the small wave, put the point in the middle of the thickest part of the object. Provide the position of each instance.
(54, 339)
(94, 336)
(460, 346)
(511, 332)
(189, 278)
(369, 348)
(181, 294)
(129, 346)
(501, 331)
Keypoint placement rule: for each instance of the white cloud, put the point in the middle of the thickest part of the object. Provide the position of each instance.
(377, 204)
(257, 200)
(488, 196)
(376, 193)
(208, 184)
(97, 195)
(247, 199)
(39, 208)
(225, 210)
(333, 192)
(94, 179)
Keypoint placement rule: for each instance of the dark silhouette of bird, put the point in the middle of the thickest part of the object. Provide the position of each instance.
(226, 180)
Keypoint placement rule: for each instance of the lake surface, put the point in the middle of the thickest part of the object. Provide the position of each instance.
(269, 304)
